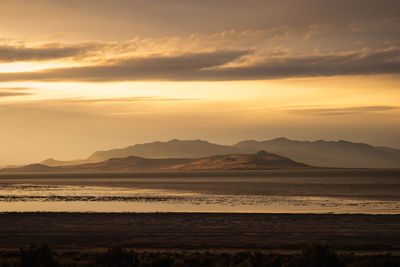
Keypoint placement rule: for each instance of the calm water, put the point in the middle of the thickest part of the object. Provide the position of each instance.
(316, 191)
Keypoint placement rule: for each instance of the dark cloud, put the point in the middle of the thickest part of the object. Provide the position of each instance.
(210, 67)
(182, 67)
(6, 94)
(122, 18)
(342, 111)
(10, 53)
(14, 91)
(352, 63)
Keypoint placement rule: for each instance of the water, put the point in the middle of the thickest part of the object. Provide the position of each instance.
(308, 191)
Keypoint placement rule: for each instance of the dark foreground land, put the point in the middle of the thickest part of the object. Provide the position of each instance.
(312, 256)
(202, 231)
(198, 239)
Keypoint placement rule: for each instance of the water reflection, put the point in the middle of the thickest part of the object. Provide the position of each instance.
(105, 199)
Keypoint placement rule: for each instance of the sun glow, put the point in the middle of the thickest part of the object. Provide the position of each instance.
(29, 66)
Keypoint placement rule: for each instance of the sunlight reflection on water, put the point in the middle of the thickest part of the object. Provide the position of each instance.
(268, 195)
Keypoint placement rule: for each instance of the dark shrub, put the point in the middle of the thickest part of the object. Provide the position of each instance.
(117, 257)
(36, 256)
(320, 256)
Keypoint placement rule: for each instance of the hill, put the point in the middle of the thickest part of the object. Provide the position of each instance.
(258, 161)
(30, 168)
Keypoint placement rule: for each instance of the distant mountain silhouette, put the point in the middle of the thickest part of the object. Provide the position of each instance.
(329, 153)
(30, 168)
(171, 149)
(258, 161)
(317, 153)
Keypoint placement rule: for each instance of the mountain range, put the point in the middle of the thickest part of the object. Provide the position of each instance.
(321, 153)
(258, 161)
(329, 153)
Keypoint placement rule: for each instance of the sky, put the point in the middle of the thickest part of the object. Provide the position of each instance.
(84, 75)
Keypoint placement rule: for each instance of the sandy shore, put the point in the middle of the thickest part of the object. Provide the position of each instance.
(200, 230)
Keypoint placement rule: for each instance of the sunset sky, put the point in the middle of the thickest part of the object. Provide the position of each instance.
(78, 76)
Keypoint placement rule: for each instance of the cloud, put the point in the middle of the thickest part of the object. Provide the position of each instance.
(132, 99)
(342, 111)
(264, 40)
(182, 67)
(121, 18)
(302, 37)
(14, 91)
(217, 66)
(362, 62)
(6, 94)
(15, 88)
(13, 53)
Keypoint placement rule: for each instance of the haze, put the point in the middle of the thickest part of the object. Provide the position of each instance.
(80, 76)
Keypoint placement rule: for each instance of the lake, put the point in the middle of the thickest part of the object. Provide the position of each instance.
(305, 191)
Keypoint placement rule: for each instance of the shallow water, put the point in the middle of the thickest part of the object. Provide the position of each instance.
(308, 191)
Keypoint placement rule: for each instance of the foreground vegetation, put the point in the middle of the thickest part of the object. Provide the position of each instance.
(315, 255)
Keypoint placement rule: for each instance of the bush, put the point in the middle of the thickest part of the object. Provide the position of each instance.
(320, 256)
(313, 256)
(116, 257)
(36, 256)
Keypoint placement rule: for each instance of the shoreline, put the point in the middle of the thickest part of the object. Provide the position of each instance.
(197, 213)
(216, 171)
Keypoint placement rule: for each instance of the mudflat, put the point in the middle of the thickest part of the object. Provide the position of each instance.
(200, 230)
